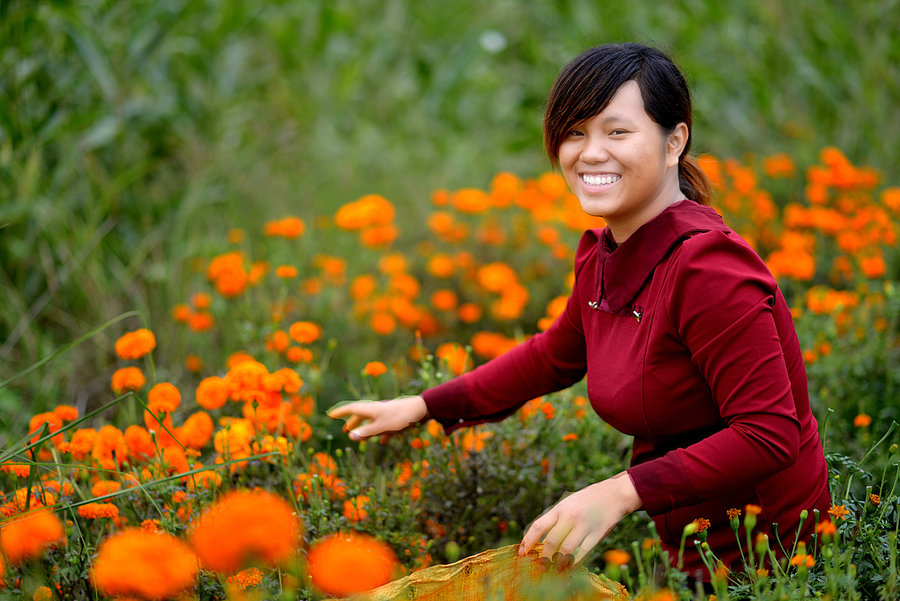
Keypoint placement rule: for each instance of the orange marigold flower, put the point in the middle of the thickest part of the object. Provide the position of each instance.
(469, 312)
(286, 272)
(163, 398)
(140, 443)
(779, 165)
(548, 410)
(66, 413)
(826, 528)
(375, 368)
(491, 344)
(368, 210)
(383, 323)
(201, 300)
(246, 578)
(28, 535)
(109, 444)
(355, 508)
(151, 525)
(455, 356)
(127, 379)
(344, 564)
(105, 487)
(136, 344)
(42, 593)
(298, 354)
(444, 300)
(702, 524)
(617, 557)
(733, 513)
(802, 559)
(212, 392)
(19, 470)
(174, 460)
(245, 526)
(496, 277)
(874, 499)
(197, 430)
(471, 200)
(287, 227)
(304, 332)
(862, 421)
(96, 511)
(753, 509)
(839, 512)
(441, 266)
(181, 313)
(53, 424)
(201, 321)
(148, 565)
(570, 437)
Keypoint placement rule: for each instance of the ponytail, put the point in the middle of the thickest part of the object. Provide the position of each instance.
(693, 182)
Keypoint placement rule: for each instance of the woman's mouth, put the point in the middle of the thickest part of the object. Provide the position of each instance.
(600, 180)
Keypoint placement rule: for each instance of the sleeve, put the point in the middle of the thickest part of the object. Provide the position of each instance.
(549, 361)
(721, 306)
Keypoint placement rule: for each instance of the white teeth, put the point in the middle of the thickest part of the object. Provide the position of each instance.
(600, 180)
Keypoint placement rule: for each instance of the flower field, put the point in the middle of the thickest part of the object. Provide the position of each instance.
(216, 474)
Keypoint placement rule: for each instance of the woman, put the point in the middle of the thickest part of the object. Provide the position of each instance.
(687, 343)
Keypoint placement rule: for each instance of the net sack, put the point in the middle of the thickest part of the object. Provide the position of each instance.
(497, 574)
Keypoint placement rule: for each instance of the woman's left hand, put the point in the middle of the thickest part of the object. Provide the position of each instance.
(577, 523)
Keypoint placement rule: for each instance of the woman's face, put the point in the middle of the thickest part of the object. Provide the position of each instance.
(621, 165)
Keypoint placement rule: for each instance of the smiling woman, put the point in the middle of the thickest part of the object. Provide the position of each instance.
(686, 340)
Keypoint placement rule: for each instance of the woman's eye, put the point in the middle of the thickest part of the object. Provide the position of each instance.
(576, 132)
(617, 132)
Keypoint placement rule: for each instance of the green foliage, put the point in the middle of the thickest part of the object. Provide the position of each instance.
(131, 134)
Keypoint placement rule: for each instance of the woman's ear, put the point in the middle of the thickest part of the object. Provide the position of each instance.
(675, 143)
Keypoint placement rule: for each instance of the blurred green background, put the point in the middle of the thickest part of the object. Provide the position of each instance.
(134, 134)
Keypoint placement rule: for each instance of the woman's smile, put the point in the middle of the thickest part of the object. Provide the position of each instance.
(600, 180)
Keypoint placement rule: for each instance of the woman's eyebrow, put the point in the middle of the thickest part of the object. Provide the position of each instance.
(615, 118)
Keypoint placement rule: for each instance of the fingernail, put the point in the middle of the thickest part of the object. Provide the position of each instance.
(545, 564)
(354, 435)
(564, 561)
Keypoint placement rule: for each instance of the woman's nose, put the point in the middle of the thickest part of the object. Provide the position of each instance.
(594, 150)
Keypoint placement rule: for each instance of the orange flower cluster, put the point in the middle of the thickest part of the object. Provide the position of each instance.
(29, 535)
(96, 511)
(321, 479)
(136, 344)
(373, 217)
(228, 274)
(287, 227)
(145, 564)
(243, 527)
(127, 379)
(345, 564)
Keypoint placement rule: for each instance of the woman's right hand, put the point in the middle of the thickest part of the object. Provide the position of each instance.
(385, 418)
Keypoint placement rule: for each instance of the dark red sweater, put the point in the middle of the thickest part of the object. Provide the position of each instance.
(689, 347)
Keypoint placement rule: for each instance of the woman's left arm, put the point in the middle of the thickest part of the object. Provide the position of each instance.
(722, 305)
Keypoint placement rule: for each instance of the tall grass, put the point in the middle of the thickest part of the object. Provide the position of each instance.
(132, 134)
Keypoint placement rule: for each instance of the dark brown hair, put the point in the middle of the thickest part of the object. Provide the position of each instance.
(587, 84)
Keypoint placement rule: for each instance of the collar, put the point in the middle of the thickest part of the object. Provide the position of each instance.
(624, 270)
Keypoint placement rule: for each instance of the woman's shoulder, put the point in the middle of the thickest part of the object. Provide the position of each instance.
(720, 250)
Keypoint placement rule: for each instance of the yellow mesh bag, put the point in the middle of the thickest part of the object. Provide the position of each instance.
(497, 574)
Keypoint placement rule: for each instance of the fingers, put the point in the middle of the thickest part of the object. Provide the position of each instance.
(587, 545)
(558, 535)
(353, 422)
(351, 409)
(538, 529)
